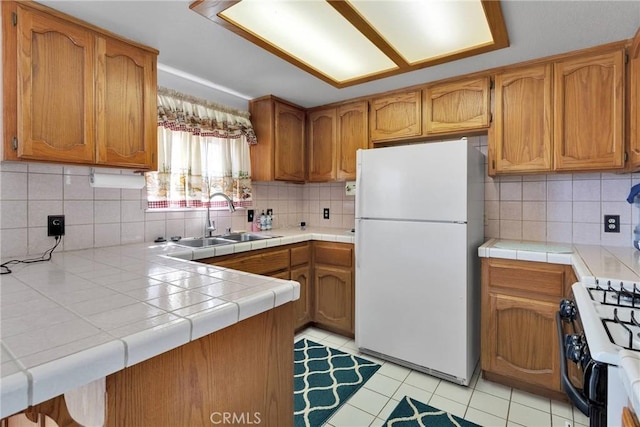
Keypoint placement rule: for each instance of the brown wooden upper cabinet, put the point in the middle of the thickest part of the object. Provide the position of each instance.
(634, 103)
(395, 116)
(127, 116)
(457, 106)
(589, 112)
(566, 115)
(334, 136)
(520, 140)
(80, 96)
(321, 127)
(280, 129)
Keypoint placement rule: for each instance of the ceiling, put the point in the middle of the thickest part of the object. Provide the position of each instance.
(239, 70)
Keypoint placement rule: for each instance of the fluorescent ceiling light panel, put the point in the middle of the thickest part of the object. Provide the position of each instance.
(346, 42)
(314, 33)
(420, 30)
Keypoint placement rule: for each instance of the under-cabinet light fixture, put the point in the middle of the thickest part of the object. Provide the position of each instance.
(107, 180)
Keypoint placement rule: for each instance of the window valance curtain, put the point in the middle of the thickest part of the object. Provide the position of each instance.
(203, 148)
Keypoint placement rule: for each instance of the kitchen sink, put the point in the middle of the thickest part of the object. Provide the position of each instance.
(204, 242)
(244, 237)
(225, 239)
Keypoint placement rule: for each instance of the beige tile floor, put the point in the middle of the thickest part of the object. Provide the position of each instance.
(483, 402)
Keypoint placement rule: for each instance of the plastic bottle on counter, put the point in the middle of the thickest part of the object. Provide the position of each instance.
(268, 222)
(263, 221)
(634, 198)
(255, 225)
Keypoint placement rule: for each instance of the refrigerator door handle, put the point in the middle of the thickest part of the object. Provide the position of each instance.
(358, 183)
(358, 234)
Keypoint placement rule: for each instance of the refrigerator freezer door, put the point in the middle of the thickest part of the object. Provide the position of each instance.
(411, 293)
(415, 182)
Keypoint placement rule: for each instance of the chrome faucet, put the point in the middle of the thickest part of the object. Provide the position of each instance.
(210, 225)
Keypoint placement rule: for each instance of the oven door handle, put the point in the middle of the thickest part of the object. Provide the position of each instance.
(578, 399)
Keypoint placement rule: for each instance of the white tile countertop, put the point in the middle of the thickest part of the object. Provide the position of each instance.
(590, 262)
(89, 313)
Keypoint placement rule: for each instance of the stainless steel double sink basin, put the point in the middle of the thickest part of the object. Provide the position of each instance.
(223, 239)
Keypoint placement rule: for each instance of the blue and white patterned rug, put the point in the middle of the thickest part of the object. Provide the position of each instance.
(412, 413)
(324, 378)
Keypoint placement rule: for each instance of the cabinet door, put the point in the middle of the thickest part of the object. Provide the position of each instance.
(289, 143)
(522, 341)
(55, 89)
(333, 297)
(634, 102)
(126, 105)
(302, 307)
(322, 145)
(521, 138)
(396, 116)
(353, 131)
(457, 106)
(589, 112)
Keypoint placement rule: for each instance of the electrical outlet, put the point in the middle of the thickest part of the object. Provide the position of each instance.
(249, 215)
(612, 223)
(55, 225)
(325, 213)
(270, 212)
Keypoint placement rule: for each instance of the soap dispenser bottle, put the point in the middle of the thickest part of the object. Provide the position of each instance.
(263, 221)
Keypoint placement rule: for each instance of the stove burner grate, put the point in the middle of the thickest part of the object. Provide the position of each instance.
(626, 326)
(621, 297)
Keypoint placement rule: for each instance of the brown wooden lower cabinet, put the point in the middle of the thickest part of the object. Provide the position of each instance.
(334, 287)
(303, 308)
(325, 271)
(268, 262)
(244, 370)
(334, 298)
(519, 343)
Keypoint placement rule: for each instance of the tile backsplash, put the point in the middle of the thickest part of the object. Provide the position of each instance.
(97, 217)
(565, 208)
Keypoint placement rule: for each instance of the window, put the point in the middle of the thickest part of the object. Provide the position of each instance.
(203, 148)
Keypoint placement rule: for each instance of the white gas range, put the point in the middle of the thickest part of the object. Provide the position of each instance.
(606, 345)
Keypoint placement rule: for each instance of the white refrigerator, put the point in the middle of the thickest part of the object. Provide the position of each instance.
(419, 222)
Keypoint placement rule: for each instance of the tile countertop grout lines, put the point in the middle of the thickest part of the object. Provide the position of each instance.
(629, 256)
(589, 262)
(117, 306)
(605, 266)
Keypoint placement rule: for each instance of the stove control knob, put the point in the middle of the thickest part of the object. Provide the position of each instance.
(574, 347)
(568, 310)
